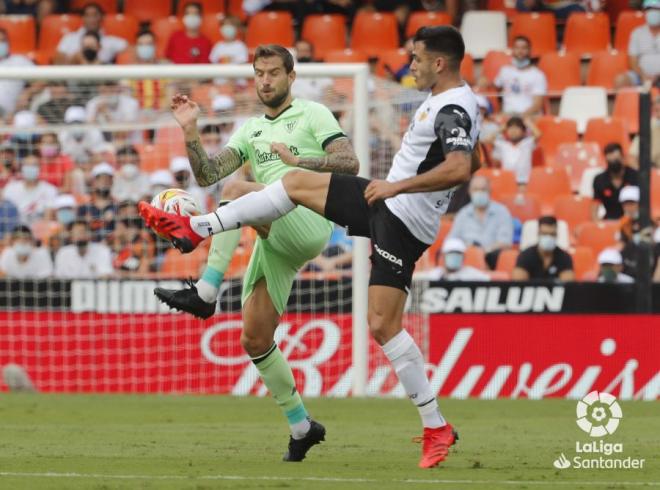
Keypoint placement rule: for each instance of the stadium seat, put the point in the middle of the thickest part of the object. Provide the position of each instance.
(539, 28)
(586, 188)
(493, 62)
(147, 10)
(153, 157)
(374, 32)
(655, 194)
(126, 57)
(607, 130)
(269, 27)
(346, 56)
(483, 31)
(40, 57)
(121, 25)
(605, 66)
(391, 61)
(467, 69)
(598, 236)
(506, 260)
(325, 32)
(554, 132)
(506, 6)
(53, 27)
(627, 22)
(20, 31)
(182, 266)
(582, 104)
(626, 108)
(584, 261)
(235, 8)
(208, 6)
(108, 6)
(170, 137)
(211, 27)
(587, 33)
(163, 29)
(573, 210)
(547, 183)
(428, 259)
(561, 70)
(576, 158)
(424, 18)
(502, 182)
(523, 206)
(529, 235)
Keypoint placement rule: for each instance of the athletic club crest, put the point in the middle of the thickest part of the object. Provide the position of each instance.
(290, 126)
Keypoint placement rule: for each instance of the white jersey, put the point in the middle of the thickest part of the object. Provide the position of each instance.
(444, 123)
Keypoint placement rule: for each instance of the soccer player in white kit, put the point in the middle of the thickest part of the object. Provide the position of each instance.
(401, 214)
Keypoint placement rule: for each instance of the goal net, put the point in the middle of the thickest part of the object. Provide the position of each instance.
(77, 310)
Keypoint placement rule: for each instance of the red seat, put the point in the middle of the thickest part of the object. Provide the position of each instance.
(325, 32)
(211, 27)
(573, 209)
(20, 31)
(374, 31)
(467, 68)
(208, 6)
(506, 260)
(539, 28)
(390, 61)
(493, 62)
(576, 157)
(121, 25)
(605, 130)
(598, 236)
(561, 70)
(522, 206)
(584, 261)
(163, 29)
(424, 18)
(147, 10)
(346, 56)
(587, 33)
(547, 183)
(502, 182)
(270, 27)
(627, 22)
(605, 66)
(53, 27)
(554, 132)
(626, 108)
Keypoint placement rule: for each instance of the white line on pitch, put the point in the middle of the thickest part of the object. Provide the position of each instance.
(320, 479)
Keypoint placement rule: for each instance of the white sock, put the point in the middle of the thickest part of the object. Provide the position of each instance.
(256, 208)
(408, 362)
(207, 291)
(300, 429)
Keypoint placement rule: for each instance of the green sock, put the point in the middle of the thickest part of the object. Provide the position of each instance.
(222, 250)
(278, 378)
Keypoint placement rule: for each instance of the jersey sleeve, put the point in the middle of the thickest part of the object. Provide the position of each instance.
(452, 127)
(239, 142)
(323, 124)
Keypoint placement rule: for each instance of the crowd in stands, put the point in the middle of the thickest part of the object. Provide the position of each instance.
(557, 197)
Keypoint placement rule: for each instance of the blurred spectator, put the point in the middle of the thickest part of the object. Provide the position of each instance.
(189, 45)
(522, 84)
(10, 89)
(132, 245)
(79, 143)
(312, 88)
(72, 50)
(145, 48)
(337, 255)
(111, 105)
(24, 138)
(643, 49)
(633, 152)
(65, 209)
(230, 49)
(83, 258)
(159, 181)
(484, 223)
(453, 251)
(90, 46)
(22, 260)
(631, 233)
(129, 181)
(58, 99)
(100, 212)
(610, 265)
(180, 168)
(544, 260)
(608, 184)
(8, 164)
(514, 149)
(561, 9)
(488, 126)
(9, 218)
(55, 167)
(402, 74)
(211, 139)
(31, 195)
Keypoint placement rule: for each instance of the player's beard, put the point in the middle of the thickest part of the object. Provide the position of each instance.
(276, 101)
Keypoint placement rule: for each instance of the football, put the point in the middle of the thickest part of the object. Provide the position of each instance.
(176, 201)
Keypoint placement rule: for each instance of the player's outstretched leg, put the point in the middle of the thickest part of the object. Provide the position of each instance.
(386, 306)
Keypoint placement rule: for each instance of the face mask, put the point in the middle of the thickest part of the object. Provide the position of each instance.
(608, 274)
(30, 172)
(228, 31)
(89, 54)
(23, 249)
(614, 166)
(547, 242)
(103, 191)
(48, 151)
(192, 21)
(111, 100)
(78, 134)
(181, 178)
(523, 63)
(480, 199)
(145, 52)
(81, 244)
(129, 170)
(65, 216)
(453, 261)
(652, 17)
(4, 49)
(304, 59)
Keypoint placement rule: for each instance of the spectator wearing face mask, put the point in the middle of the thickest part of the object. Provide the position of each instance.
(189, 45)
(71, 49)
(90, 45)
(112, 105)
(79, 143)
(57, 99)
(23, 260)
(230, 49)
(610, 264)
(129, 182)
(608, 184)
(56, 168)
(132, 245)
(24, 138)
(31, 195)
(10, 89)
(515, 146)
(100, 212)
(484, 223)
(152, 95)
(83, 258)
(65, 207)
(159, 181)
(453, 254)
(544, 260)
(315, 88)
(643, 49)
(180, 169)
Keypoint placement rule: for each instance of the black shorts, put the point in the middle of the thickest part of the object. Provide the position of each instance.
(394, 250)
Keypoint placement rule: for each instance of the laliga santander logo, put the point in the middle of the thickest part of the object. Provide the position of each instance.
(598, 414)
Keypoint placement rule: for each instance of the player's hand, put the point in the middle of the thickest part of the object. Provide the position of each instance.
(285, 154)
(185, 111)
(380, 189)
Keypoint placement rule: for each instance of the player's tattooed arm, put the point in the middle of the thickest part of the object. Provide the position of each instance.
(207, 170)
(340, 158)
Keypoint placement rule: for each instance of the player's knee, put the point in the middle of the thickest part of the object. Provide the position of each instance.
(378, 327)
(255, 345)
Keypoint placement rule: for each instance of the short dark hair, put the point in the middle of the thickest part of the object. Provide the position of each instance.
(193, 4)
(268, 50)
(93, 5)
(547, 220)
(523, 38)
(21, 230)
(516, 121)
(127, 150)
(145, 32)
(446, 40)
(611, 148)
(210, 129)
(93, 34)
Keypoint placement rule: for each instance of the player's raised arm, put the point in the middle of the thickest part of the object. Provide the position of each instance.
(207, 170)
(340, 158)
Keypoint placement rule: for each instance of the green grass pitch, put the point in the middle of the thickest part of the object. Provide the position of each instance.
(206, 442)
